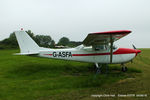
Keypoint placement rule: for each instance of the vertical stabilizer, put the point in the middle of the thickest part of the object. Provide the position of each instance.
(26, 43)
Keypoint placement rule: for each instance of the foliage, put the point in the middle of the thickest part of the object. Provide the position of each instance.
(74, 43)
(52, 45)
(41, 40)
(63, 41)
(9, 42)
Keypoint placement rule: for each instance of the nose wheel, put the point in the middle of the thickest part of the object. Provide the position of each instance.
(124, 68)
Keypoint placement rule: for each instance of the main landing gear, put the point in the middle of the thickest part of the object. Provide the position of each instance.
(98, 68)
(124, 68)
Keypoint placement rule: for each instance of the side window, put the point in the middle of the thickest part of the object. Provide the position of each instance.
(100, 48)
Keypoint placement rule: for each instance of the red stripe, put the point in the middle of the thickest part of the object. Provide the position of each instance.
(119, 51)
(92, 54)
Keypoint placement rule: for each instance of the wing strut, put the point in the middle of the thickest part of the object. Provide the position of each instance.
(111, 48)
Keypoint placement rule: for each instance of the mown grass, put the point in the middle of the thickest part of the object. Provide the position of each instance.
(32, 78)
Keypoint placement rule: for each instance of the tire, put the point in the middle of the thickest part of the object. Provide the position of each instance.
(124, 69)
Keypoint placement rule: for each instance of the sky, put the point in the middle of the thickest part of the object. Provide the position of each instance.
(76, 18)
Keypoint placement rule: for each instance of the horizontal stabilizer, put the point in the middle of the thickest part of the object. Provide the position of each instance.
(34, 53)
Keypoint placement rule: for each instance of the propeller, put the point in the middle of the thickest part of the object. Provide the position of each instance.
(133, 46)
(136, 49)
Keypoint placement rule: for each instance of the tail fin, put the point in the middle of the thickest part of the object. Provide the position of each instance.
(26, 43)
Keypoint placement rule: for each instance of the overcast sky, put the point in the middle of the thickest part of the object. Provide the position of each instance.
(76, 18)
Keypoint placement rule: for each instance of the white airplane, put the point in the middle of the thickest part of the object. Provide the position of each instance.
(96, 48)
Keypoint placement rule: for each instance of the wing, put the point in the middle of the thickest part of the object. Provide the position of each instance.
(101, 38)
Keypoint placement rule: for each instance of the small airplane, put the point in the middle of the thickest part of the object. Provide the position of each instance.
(97, 48)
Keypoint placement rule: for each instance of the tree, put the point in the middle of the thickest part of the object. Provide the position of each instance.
(43, 40)
(10, 41)
(74, 43)
(52, 45)
(63, 41)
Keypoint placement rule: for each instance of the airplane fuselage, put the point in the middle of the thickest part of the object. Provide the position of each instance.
(96, 48)
(120, 55)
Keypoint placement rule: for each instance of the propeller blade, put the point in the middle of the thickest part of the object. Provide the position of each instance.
(133, 46)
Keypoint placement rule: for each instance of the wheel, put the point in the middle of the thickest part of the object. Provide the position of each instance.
(124, 69)
(98, 71)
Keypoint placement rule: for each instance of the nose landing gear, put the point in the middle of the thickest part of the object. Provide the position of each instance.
(124, 68)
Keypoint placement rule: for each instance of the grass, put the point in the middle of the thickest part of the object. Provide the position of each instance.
(32, 78)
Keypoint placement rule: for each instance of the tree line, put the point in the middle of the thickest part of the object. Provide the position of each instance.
(41, 40)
